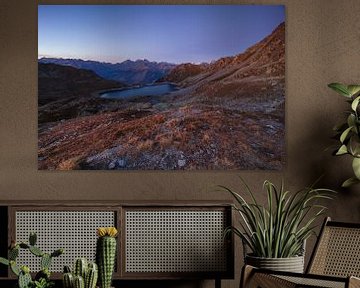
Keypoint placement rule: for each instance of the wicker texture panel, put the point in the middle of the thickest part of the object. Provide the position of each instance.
(304, 282)
(175, 241)
(260, 280)
(338, 253)
(75, 231)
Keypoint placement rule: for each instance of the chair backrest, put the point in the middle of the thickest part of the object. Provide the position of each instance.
(337, 251)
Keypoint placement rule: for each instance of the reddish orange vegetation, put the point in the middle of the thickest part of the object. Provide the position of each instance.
(211, 139)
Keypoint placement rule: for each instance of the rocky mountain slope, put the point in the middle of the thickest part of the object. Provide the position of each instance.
(128, 72)
(264, 60)
(228, 115)
(183, 71)
(66, 92)
(57, 82)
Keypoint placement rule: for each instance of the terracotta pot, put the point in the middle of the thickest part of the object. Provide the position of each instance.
(291, 264)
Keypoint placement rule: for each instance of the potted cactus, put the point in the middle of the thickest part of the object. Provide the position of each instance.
(84, 275)
(106, 254)
(42, 278)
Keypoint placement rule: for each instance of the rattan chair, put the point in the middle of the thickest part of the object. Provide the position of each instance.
(334, 263)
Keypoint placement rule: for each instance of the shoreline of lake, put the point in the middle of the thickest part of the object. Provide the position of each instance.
(134, 91)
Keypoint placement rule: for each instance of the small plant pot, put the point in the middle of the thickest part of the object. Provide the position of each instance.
(291, 264)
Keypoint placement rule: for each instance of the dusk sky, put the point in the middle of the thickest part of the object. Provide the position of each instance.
(171, 33)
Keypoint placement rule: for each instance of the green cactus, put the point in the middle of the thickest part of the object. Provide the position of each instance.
(36, 251)
(13, 253)
(91, 276)
(67, 269)
(79, 282)
(80, 267)
(24, 280)
(42, 278)
(106, 254)
(14, 268)
(24, 245)
(32, 238)
(57, 252)
(68, 280)
(45, 261)
(87, 272)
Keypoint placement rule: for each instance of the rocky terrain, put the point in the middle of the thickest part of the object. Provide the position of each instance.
(183, 71)
(66, 92)
(127, 72)
(228, 115)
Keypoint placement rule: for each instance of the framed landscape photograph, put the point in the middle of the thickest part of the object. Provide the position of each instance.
(161, 87)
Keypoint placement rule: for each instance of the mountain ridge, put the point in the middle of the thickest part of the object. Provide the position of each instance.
(128, 72)
(268, 51)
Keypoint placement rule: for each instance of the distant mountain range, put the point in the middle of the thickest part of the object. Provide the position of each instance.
(127, 72)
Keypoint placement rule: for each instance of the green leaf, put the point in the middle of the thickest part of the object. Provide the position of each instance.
(353, 89)
(342, 150)
(356, 167)
(345, 134)
(351, 120)
(354, 145)
(349, 182)
(4, 261)
(355, 103)
(340, 88)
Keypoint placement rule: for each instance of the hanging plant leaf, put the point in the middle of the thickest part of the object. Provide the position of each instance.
(342, 150)
(340, 88)
(349, 132)
(345, 134)
(354, 145)
(355, 103)
(356, 167)
(353, 89)
(349, 182)
(351, 120)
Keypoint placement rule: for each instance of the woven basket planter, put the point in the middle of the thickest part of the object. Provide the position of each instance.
(291, 264)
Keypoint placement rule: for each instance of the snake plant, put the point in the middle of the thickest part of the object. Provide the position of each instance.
(279, 228)
(349, 131)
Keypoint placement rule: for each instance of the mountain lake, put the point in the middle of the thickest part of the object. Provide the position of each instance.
(148, 90)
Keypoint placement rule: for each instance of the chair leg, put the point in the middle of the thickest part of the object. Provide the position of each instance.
(246, 274)
(217, 282)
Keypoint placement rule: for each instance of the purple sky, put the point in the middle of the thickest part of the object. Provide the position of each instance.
(171, 33)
